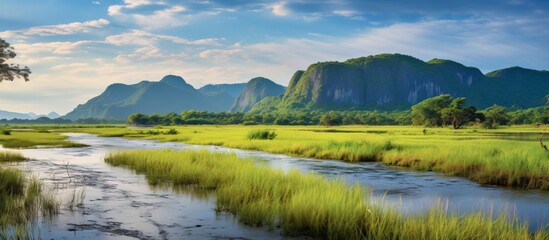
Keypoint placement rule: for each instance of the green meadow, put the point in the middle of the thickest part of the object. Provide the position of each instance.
(307, 203)
(508, 156)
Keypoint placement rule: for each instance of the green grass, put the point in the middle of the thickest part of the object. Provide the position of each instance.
(35, 138)
(509, 156)
(307, 204)
(6, 156)
(261, 134)
(22, 201)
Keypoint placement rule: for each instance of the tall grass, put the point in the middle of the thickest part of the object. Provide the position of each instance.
(6, 156)
(22, 202)
(307, 204)
(261, 134)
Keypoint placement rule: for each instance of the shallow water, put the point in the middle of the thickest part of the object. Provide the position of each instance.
(119, 204)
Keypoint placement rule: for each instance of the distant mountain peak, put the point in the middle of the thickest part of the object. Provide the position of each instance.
(176, 81)
(172, 78)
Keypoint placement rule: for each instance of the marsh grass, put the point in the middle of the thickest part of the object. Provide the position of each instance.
(22, 203)
(508, 156)
(6, 156)
(34, 139)
(261, 134)
(307, 204)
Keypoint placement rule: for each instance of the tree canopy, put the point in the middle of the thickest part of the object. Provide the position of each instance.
(442, 110)
(9, 71)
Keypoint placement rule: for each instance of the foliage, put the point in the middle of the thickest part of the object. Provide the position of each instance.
(264, 134)
(6, 132)
(330, 119)
(443, 110)
(8, 72)
(496, 116)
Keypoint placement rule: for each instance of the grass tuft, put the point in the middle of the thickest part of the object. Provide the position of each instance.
(264, 134)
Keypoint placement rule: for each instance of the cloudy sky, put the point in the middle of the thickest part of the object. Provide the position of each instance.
(76, 48)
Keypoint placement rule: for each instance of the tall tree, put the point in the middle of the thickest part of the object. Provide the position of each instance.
(429, 111)
(457, 114)
(8, 71)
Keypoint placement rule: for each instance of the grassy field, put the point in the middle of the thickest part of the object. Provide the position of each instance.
(22, 200)
(307, 204)
(509, 156)
(25, 137)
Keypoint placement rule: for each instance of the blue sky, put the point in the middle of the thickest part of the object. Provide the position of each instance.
(76, 48)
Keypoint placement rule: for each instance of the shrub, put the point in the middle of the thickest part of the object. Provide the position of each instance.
(264, 134)
(6, 132)
(171, 132)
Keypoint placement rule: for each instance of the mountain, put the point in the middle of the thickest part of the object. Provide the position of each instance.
(395, 81)
(53, 115)
(233, 89)
(170, 94)
(11, 115)
(256, 90)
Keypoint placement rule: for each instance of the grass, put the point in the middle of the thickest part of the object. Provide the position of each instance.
(6, 156)
(33, 138)
(22, 200)
(508, 156)
(308, 204)
(261, 134)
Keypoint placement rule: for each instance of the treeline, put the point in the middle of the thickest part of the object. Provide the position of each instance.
(192, 117)
(442, 110)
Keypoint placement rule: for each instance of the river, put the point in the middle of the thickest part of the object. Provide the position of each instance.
(119, 204)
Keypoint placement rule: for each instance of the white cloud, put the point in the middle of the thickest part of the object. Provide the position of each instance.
(54, 30)
(222, 54)
(50, 47)
(129, 4)
(144, 38)
(279, 9)
(345, 13)
(96, 3)
(168, 17)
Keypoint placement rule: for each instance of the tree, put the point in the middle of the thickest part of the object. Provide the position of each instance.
(138, 119)
(330, 119)
(8, 71)
(457, 115)
(429, 111)
(496, 115)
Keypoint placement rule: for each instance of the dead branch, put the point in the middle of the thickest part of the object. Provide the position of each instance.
(541, 135)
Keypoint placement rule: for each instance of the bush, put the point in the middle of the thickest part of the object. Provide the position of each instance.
(264, 134)
(6, 132)
(171, 132)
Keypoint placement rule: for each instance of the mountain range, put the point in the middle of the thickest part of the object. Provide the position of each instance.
(12, 115)
(381, 82)
(170, 94)
(396, 81)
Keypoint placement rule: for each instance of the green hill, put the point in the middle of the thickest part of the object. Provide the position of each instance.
(395, 81)
(256, 90)
(170, 94)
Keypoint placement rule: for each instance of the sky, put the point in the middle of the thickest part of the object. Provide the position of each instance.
(76, 48)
